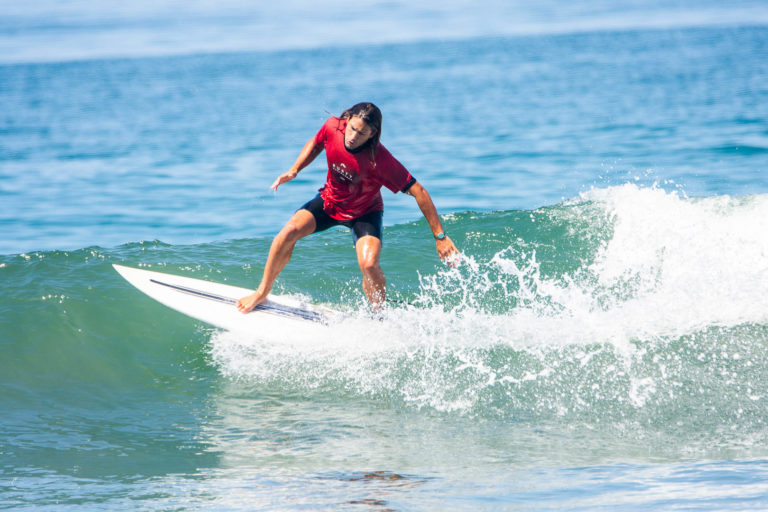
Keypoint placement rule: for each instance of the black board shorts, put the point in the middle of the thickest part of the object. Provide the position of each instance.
(369, 224)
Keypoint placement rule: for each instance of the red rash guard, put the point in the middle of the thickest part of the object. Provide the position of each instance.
(353, 186)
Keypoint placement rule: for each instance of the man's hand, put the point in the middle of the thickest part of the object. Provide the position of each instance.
(285, 178)
(447, 251)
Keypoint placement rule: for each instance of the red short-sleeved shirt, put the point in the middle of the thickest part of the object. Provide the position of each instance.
(353, 186)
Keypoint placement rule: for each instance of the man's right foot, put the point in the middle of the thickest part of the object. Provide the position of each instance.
(249, 302)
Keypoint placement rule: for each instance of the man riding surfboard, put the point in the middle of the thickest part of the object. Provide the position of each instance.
(358, 166)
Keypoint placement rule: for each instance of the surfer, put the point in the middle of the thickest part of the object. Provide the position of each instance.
(358, 166)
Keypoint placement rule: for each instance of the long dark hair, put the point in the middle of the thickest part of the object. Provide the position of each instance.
(371, 115)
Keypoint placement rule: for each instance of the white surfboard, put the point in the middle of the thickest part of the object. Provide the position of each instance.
(214, 303)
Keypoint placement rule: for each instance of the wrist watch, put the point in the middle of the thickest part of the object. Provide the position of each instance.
(440, 236)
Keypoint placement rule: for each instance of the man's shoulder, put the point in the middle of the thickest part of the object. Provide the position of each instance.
(333, 126)
(334, 123)
(385, 158)
(328, 132)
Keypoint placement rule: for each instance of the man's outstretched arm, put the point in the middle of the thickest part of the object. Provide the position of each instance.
(445, 247)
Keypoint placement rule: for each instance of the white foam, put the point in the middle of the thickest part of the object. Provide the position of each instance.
(668, 266)
(687, 263)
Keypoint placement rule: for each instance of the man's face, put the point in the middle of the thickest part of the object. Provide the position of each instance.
(357, 133)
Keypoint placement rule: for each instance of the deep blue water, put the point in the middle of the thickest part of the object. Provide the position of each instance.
(602, 347)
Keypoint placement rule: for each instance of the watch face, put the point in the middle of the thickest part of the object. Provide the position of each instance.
(440, 236)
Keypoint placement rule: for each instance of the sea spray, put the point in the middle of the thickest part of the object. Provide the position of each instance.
(632, 342)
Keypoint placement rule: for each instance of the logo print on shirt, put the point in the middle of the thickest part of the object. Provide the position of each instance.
(341, 172)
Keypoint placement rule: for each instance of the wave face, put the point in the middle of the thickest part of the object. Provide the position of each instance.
(632, 314)
(624, 309)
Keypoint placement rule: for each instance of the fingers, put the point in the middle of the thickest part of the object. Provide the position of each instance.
(279, 181)
(283, 178)
(452, 258)
(448, 253)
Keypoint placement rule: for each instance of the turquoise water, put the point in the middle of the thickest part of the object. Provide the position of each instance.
(602, 346)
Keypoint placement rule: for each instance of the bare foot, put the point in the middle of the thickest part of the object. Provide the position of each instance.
(247, 304)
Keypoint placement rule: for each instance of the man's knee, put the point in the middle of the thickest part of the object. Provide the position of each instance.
(368, 250)
(369, 264)
(295, 229)
(291, 232)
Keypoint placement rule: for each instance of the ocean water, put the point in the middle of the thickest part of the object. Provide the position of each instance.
(603, 344)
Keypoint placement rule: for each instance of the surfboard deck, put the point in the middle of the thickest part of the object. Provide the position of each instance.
(214, 303)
